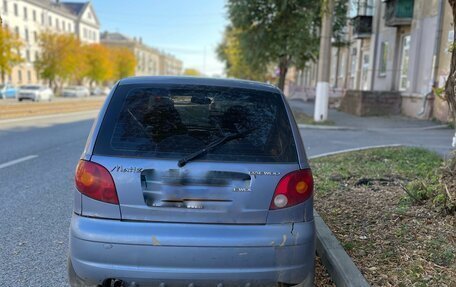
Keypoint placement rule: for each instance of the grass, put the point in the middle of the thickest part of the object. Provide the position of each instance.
(303, 118)
(389, 209)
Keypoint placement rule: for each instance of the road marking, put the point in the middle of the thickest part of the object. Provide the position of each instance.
(16, 161)
(354, 149)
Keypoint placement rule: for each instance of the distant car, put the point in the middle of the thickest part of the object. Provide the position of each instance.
(193, 182)
(75, 92)
(99, 91)
(8, 91)
(35, 93)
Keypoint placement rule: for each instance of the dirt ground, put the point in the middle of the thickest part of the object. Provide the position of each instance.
(392, 241)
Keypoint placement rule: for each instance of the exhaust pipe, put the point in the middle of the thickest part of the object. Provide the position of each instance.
(117, 283)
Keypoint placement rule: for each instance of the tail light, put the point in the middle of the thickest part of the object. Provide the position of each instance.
(294, 188)
(95, 181)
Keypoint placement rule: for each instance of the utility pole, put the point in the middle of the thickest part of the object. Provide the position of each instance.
(324, 63)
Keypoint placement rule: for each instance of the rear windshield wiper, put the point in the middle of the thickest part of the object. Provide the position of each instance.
(213, 145)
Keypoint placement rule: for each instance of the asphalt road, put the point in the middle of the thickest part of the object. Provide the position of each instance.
(37, 162)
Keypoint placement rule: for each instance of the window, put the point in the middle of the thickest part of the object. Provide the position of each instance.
(365, 71)
(57, 24)
(5, 6)
(19, 76)
(50, 21)
(36, 55)
(85, 33)
(16, 29)
(168, 121)
(35, 36)
(405, 59)
(26, 35)
(42, 18)
(34, 15)
(16, 11)
(63, 26)
(27, 55)
(29, 77)
(25, 13)
(383, 59)
(353, 62)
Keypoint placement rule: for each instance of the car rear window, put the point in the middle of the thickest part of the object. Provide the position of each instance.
(172, 121)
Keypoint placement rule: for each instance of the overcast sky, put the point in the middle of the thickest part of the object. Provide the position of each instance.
(190, 30)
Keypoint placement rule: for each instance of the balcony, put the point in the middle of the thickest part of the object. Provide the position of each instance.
(398, 12)
(362, 26)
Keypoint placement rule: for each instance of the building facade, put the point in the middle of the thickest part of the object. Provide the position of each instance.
(397, 46)
(28, 18)
(170, 65)
(150, 61)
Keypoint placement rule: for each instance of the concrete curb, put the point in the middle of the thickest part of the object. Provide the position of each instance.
(324, 127)
(42, 117)
(343, 271)
(354, 149)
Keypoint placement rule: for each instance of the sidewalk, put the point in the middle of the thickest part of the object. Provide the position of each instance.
(350, 121)
(352, 132)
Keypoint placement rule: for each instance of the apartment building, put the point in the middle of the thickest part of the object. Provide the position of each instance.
(170, 65)
(28, 18)
(147, 58)
(395, 49)
(150, 61)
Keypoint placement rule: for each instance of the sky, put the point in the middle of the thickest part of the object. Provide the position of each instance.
(188, 29)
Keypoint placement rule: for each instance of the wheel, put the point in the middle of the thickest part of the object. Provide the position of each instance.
(20, 100)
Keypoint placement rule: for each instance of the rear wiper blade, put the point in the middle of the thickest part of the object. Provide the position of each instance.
(213, 145)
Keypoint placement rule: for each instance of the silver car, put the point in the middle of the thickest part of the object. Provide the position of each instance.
(75, 92)
(193, 182)
(35, 93)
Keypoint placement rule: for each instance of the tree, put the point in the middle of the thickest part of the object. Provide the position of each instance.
(10, 56)
(99, 65)
(124, 63)
(450, 86)
(192, 72)
(230, 52)
(61, 59)
(276, 31)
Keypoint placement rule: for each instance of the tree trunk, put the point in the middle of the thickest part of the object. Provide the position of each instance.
(283, 70)
(450, 86)
(3, 77)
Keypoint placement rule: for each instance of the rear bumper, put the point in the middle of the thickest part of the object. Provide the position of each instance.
(204, 254)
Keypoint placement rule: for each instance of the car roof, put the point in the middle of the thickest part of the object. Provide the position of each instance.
(201, 81)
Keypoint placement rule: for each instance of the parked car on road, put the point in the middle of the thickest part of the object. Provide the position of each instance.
(75, 91)
(35, 93)
(193, 182)
(99, 91)
(7, 91)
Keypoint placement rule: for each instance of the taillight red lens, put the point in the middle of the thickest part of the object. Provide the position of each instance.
(95, 181)
(294, 188)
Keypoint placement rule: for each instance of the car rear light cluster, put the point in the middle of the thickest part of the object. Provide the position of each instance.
(294, 188)
(95, 181)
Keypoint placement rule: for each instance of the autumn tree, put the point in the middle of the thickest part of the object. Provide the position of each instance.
(276, 31)
(10, 56)
(61, 59)
(99, 65)
(450, 86)
(192, 72)
(124, 62)
(230, 52)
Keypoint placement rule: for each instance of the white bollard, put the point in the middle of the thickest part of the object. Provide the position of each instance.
(321, 102)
